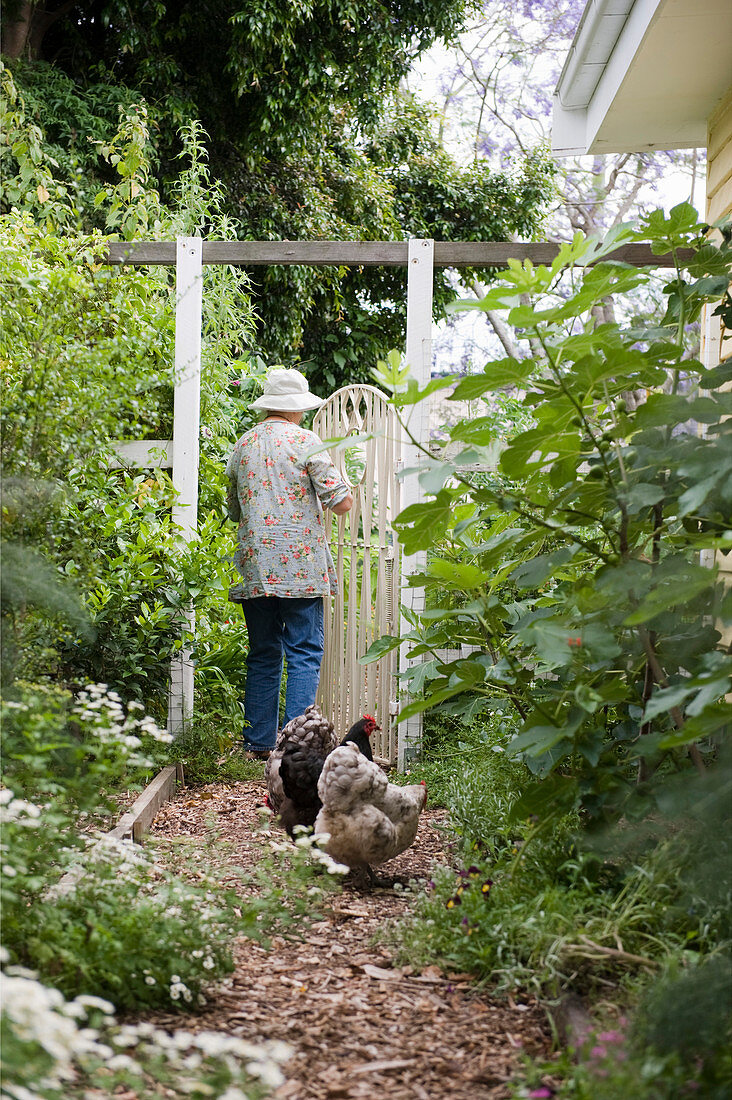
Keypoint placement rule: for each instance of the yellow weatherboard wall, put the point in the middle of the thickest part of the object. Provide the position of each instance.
(718, 342)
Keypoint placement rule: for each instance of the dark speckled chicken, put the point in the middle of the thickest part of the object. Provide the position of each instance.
(313, 734)
(294, 768)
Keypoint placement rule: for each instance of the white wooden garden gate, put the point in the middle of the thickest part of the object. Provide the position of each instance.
(366, 558)
(351, 688)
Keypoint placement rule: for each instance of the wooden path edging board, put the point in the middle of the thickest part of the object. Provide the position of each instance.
(137, 820)
(132, 825)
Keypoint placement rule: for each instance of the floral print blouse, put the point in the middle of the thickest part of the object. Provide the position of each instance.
(277, 491)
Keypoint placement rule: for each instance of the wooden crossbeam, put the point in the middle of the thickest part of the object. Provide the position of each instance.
(370, 253)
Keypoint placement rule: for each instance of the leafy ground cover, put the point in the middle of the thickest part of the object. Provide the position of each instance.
(634, 919)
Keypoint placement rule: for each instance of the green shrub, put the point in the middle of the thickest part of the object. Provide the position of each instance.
(526, 907)
(131, 932)
(88, 350)
(543, 922)
(76, 749)
(573, 577)
(142, 927)
(220, 662)
(64, 759)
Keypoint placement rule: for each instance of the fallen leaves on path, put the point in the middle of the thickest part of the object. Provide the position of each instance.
(359, 1024)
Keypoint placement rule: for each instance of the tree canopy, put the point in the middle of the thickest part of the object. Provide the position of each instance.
(260, 76)
(309, 134)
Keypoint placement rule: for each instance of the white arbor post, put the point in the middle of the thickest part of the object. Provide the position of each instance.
(420, 274)
(186, 422)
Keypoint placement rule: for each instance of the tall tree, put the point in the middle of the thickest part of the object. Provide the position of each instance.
(261, 77)
(309, 134)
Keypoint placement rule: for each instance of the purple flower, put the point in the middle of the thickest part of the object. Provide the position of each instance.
(611, 1037)
(541, 1094)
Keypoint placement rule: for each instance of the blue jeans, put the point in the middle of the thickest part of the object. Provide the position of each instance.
(280, 627)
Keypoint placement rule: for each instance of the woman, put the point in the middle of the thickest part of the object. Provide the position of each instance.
(277, 491)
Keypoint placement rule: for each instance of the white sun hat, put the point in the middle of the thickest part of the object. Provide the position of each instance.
(286, 391)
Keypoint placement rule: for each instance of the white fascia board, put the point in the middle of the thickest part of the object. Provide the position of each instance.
(599, 28)
(569, 130)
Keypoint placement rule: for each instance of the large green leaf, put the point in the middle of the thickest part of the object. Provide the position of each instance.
(531, 574)
(537, 740)
(717, 376)
(642, 496)
(419, 674)
(418, 706)
(535, 448)
(665, 409)
(496, 375)
(421, 524)
(559, 641)
(413, 394)
(696, 495)
(674, 582)
(380, 648)
(692, 694)
(454, 575)
(673, 231)
(433, 475)
(714, 719)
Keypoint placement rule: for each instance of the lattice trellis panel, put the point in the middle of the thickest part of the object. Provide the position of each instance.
(366, 556)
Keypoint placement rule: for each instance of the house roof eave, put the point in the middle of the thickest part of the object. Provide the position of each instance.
(650, 83)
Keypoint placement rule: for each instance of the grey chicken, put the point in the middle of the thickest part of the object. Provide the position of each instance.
(297, 766)
(365, 820)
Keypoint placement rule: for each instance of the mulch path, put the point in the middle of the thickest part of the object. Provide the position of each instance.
(358, 1023)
